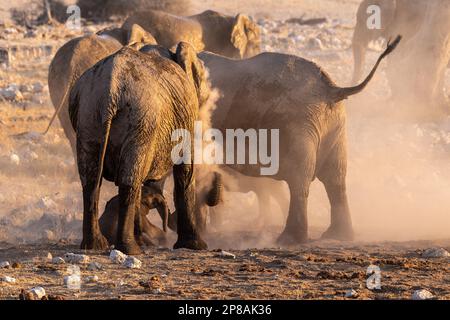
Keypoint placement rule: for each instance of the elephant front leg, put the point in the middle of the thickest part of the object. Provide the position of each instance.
(184, 198)
(126, 239)
(92, 236)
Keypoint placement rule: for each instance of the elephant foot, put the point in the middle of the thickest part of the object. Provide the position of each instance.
(129, 248)
(339, 233)
(193, 244)
(97, 242)
(287, 238)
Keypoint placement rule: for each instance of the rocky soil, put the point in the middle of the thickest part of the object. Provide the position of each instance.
(398, 184)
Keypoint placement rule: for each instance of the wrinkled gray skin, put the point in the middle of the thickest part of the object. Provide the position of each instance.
(398, 17)
(124, 110)
(278, 91)
(80, 54)
(233, 37)
(151, 198)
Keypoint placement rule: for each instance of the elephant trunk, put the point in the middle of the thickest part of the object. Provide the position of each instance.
(214, 196)
(172, 221)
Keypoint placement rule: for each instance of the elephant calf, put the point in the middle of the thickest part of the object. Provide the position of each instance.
(233, 37)
(151, 198)
(124, 110)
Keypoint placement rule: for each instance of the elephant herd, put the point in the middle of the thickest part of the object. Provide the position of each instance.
(119, 94)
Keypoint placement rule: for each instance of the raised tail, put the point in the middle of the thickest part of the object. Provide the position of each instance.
(339, 94)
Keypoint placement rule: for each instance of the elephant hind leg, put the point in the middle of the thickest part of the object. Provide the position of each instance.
(184, 198)
(333, 174)
(126, 229)
(88, 163)
(299, 179)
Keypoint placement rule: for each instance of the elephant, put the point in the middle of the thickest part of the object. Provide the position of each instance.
(77, 56)
(417, 73)
(235, 37)
(151, 198)
(402, 17)
(294, 95)
(124, 111)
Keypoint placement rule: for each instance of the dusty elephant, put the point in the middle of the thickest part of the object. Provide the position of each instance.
(417, 73)
(124, 110)
(151, 198)
(285, 92)
(208, 192)
(77, 56)
(234, 37)
(403, 17)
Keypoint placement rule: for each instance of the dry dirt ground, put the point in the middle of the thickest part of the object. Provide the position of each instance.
(398, 184)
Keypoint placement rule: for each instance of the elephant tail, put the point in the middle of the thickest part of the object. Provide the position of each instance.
(103, 145)
(339, 94)
(58, 109)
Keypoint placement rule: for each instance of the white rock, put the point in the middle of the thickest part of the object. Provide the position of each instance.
(91, 279)
(7, 279)
(38, 292)
(422, 295)
(95, 266)
(49, 256)
(435, 253)
(76, 258)
(15, 159)
(117, 257)
(351, 293)
(314, 43)
(132, 263)
(227, 255)
(47, 203)
(4, 264)
(73, 281)
(58, 260)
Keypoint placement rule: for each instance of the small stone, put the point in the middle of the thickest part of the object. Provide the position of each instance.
(7, 279)
(72, 282)
(117, 257)
(95, 266)
(435, 253)
(227, 255)
(76, 258)
(315, 44)
(38, 292)
(91, 279)
(4, 264)
(58, 260)
(48, 235)
(15, 159)
(132, 263)
(422, 295)
(49, 256)
(351, 294)
(16, 265)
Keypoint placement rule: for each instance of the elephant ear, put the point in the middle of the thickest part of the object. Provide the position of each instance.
(239, 37)
(187, 58)
(139, 37)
